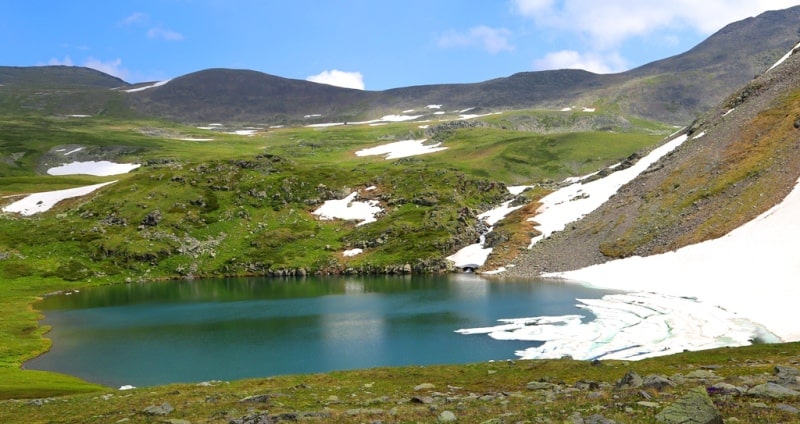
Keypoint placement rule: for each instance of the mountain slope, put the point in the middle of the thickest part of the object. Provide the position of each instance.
(674, 90)
(741, 159)
(62, 77)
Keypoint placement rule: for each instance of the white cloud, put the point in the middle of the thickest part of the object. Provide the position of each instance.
(134, 19)
(570, 59)
(604, 27)
(610, 22)
(164, 34)
(111, 67)
(339, 79)
(493, 40)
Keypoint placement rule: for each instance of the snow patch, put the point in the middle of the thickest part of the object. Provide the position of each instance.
(41, 202)
(476, 254)
(72, 151)
(350, 210)
(401, 149)
(99, 168)
(572, 202)
(786, 56)
(353, 252)
(147, 87)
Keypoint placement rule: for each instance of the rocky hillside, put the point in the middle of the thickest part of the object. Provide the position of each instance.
(740, 159)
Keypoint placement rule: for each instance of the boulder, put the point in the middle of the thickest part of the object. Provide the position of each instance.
(695, 407)
(630, 379)
(656, 382)
(772, 391)
(160, 410)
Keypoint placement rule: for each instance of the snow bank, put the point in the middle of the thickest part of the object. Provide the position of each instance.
(722, 292)
(753, 270)
(99, 168)
(401, 149)
(350, 210)
(572, 202)
(40, 202)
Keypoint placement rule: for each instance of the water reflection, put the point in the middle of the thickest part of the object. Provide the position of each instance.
(144, 334)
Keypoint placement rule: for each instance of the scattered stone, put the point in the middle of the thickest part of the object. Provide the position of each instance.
(577, 418)
(541, 385)
(787, 408)
(772, 391)
(426, 400)
(39, 402)
(177, 421)
(257, 418)
(630, 379)
(647, 404)
(657, 382)
(365, 411)
(726, 389)
(695, 407)
(424, 386)
(160, 410)
(597, 419)
(447, 417)
(255, 399)
(702, 374)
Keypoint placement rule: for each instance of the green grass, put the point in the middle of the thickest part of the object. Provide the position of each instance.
(243, 205)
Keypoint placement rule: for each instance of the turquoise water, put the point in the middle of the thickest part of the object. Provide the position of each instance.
(190, 331)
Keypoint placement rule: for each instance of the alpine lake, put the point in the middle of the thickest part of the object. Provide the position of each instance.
(224, 329)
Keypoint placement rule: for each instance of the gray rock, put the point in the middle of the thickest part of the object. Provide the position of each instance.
(597, 419)
(702, 374)
(255, 399)
(257, 418)
(541, 385)
(630, 379)
(447, 417)
(160, 410)
(657, 382)
(727, 389)
(695, 407)
(772, 391)
(577, 418)
(647, 404)
(787, 408)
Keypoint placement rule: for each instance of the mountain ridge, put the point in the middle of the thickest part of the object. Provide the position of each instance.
(674, 90)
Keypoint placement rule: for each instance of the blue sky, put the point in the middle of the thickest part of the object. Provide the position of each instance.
(366, 44)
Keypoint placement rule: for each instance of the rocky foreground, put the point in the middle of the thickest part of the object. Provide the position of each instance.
(756, 384)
